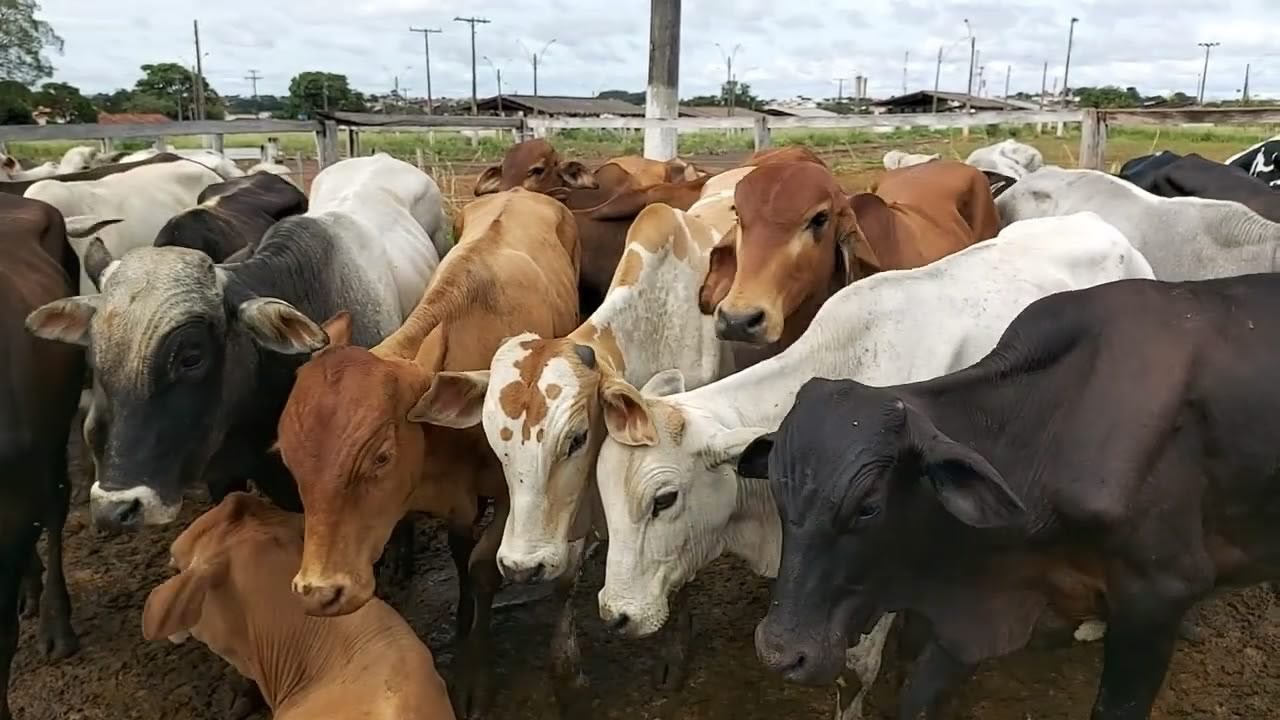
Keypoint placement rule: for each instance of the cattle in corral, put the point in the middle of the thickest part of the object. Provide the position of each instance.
(1058, 476)
(371, 435)
(1195, 176)
(1140, 167)
(786, 153)
(211, 159)
(1261, 161)
(193, 361)
(78, 159)
(97, 173)
(231, 592)
(1008, 157)
(801, 239)
(673, 500)
(41, 382)
(12, 171)
(131, 206)
(652, 172)
(895, 159)
(232, 215)
(1183, 238)
(536, 166)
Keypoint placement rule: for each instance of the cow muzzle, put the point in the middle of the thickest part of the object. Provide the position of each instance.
(331, 596)
(746, 326)
(530, 567)
(129, 509)
(798, 658)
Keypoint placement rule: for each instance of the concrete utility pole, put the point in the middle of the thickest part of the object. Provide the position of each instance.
(981, 70)
(497, 71)
(857, 93)
(254, 77)
(731, 99)
(1066, 70)
(426, 48)
(840, 90)
(937, 78)
(1007, 72)
(662, 98)
(198, 85)
(1204, 76)
(1044, 82)
(536, 58)
(1244, 94)
(906, 63)
(473, 21)
(973, 56)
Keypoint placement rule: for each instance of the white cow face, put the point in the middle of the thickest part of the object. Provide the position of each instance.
(668, 483)
(1035, 196)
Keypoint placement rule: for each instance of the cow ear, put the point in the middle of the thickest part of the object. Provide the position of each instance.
(9, 163)
(867, 217)
(667, 382)
(626, 415)
(490, 181)
(338, 329)
(454, 400)
(83, 226)
(721, 269)
(175, 607)
(65, 320)
(98, 263)
(748, 449)
(965, 483)
(576, 175)
(280, 327)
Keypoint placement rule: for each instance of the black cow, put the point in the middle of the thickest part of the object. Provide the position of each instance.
(1196, 176)
(1136, 170)
(1261, 161)
(1114, 456)
(998, 183)
(19, 188)
(39, 392)
(232, 215)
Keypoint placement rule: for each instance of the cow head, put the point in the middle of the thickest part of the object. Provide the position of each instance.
(672, 501)
(9, 167)
(859, 477)
(534, 165)
(174, 342)
(1038, 195)
(796, 228)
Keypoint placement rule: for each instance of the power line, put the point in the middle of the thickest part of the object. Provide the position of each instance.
(426, 46)
(473, 21)
(254, 77)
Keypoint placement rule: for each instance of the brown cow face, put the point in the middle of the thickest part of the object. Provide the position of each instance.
(534, 165)
(346, 437)
(793, 220)
(865, 486)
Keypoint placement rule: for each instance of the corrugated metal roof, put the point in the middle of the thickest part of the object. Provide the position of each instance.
(716, 111)
(811, 112)
(132, 118)
(922, 96)
(560, 105)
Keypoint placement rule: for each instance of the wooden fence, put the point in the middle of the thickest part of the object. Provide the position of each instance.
(1093, 139)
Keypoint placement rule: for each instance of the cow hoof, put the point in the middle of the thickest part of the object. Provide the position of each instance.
(29, 597)
(58, 643)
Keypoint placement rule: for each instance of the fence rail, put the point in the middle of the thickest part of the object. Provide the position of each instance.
(1094, 124)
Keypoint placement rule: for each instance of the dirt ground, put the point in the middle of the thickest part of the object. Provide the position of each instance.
(1234, 672)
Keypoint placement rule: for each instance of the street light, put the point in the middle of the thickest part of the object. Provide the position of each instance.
(728, 81)
(498, 72)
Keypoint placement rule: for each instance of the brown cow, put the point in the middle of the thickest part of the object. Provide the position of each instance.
(370, 435)
(41, 388)
(801, 239)
(652, 172)
(232, 594)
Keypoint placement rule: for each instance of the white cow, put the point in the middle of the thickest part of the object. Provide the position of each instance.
(1008, 157)
(78, 159)
(11, 170)
(140, 200)
(283, 171)
(211, 159)
(895, 159)
(669, 487)
(394, 205)
(1183, 238)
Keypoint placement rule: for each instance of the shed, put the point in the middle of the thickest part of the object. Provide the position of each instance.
(559, 105)
(921, 101)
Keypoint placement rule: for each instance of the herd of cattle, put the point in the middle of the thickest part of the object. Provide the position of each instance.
(985, 399)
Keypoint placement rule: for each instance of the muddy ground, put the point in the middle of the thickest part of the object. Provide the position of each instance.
(1233, 673)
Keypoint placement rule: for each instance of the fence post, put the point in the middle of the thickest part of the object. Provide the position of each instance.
(161, 144)
(216, 143)
(353, 142)
(326, 143)
(270, 151)
(1093, 139)
(762, 136)
(418, 154)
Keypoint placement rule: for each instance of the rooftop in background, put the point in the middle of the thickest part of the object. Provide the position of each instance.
(922, 101)
(559, 105)
(716, 111)
(798, 111)
(132, 118)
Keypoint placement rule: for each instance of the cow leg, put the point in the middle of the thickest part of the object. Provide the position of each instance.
(473, 686)
(864, 659)
(57, 637)
(460, 547)
(934, 673)
(15, 557)
(674, 644)
(32, 588)
(568, 682)
(246, 697)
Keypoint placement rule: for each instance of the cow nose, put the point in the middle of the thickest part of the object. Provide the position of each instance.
(521, 575)
(117, 515)
(319, 599)
(776, 656)
(619, 622)
(740, 326)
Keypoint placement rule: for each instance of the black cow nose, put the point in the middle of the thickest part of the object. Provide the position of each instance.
(741, 327)
(795, 665)
(119, 514)
(619, 622)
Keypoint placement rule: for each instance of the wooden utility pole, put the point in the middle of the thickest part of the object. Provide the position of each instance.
(662, 99)
(198, 84)
(254, 77)
(1244, 94)
(1066, 68)
(426, 49)
(473, 21)
(937, 77)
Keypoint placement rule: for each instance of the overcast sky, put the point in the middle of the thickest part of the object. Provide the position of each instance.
(787, 48)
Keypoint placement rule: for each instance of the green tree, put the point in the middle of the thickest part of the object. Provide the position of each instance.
(15, 103)
(314, 91)
(145, 103)
(635, 98)
(23, 39)
(66, 103)
(1104, 97)
(175, 84)
(112, 102)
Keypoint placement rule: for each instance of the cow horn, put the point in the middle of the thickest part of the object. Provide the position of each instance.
(97, 258)
(586, 355)
(83, 226)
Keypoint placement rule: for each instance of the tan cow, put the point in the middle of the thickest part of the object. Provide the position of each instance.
(370, 435)
(651, 172)
(232, 593)
(801, 239)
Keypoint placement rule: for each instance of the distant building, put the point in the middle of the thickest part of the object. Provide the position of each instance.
(798, 111)
(922, 101)
(717, 111)
(559, 105)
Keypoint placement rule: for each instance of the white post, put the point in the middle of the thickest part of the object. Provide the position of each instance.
(662, 100)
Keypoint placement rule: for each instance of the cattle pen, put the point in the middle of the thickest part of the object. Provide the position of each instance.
(328, 128)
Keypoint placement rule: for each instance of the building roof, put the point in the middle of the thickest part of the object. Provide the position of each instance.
(132, 118)
(560, 105)
(798, 111)
(921, 97)
(716, 111)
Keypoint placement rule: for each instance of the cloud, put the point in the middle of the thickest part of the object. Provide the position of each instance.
(786, 50)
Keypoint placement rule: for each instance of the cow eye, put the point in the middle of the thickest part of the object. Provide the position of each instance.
(819, 221)
(575, 443)
(190, 361)
(536, 171)
(381, 458)
(664, 500)
(868, 511)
